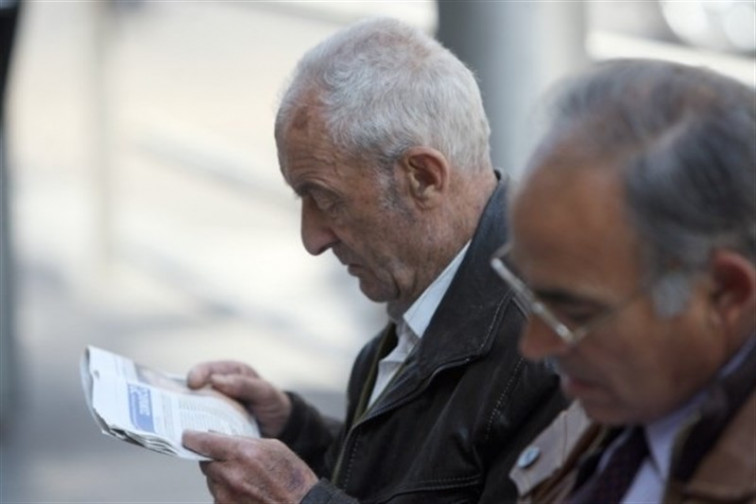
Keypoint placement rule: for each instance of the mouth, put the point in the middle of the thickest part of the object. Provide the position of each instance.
(343, 257)
(575, 385)
(594, 394)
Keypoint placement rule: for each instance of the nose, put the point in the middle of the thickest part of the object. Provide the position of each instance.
(317, 235)
(538, 341)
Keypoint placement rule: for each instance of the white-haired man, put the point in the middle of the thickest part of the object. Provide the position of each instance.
(383, 136)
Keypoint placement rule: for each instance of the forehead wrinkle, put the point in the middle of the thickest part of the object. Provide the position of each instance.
(322, 170)
(310, 156)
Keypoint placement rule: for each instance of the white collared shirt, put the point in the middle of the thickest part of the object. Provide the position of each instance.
(413, 324)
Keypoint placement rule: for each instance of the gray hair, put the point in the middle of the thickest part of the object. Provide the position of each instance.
(685, 140)
(383, 87)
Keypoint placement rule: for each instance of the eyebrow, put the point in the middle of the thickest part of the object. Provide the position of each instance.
(305, 188)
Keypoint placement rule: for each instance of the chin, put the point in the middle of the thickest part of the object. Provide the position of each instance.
(375, 293)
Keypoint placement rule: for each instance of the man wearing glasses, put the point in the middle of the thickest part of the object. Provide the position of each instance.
(633, 243)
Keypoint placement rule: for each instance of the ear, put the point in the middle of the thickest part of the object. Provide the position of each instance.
(427, 174)
(734, 292)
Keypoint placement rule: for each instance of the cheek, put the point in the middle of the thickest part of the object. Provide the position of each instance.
(373, 248)
(663, 367)
(628, 367)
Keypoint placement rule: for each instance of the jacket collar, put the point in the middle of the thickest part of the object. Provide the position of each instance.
(462, 327)
(558, 450)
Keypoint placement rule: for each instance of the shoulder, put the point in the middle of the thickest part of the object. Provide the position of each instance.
(727, 470)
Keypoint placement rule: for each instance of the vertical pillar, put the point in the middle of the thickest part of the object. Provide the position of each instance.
(8, 18)
(516, 49)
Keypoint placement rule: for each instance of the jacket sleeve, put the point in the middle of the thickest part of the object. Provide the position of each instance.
(318, 439)
(311, 435)
(528, 411)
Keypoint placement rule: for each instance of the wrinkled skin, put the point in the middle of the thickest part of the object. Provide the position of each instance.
(371, 225)
(269, 405)
(250, 471)
(245, 470)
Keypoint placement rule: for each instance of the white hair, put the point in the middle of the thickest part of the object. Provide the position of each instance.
(382, 87)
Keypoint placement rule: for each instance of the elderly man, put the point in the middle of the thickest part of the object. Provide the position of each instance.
(383, 136)
(633, 241)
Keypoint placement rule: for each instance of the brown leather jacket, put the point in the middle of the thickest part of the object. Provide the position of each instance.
(715, 458)
(450, 425)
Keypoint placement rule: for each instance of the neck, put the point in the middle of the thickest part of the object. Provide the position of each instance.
(446, 234)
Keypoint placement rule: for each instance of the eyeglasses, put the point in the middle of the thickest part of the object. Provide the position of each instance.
(570, 335)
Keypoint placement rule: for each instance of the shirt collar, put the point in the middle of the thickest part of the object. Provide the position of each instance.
(417, 318)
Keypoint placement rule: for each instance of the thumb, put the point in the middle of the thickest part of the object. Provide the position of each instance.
(209, 444)
(197, 378)
(195, 441)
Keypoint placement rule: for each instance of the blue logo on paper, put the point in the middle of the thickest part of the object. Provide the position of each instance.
(140, 408)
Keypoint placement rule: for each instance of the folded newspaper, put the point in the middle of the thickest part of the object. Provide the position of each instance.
(151, 408)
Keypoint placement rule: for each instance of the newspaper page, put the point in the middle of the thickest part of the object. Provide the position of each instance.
(151, 408)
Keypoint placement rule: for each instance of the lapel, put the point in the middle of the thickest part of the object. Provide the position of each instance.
(464, 325)
(556, 455)
(387, 343)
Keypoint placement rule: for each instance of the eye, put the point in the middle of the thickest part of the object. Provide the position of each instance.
(570, 310)
(325, 202)
(575, 319)
(576, 315)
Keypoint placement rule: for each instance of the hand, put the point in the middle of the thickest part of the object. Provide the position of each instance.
(270, 406)
(250, 471)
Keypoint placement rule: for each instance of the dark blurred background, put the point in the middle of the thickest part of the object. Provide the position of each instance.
(143, 212)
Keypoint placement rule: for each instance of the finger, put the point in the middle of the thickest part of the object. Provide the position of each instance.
(199, 375)
(214, 446)
(244, 388)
